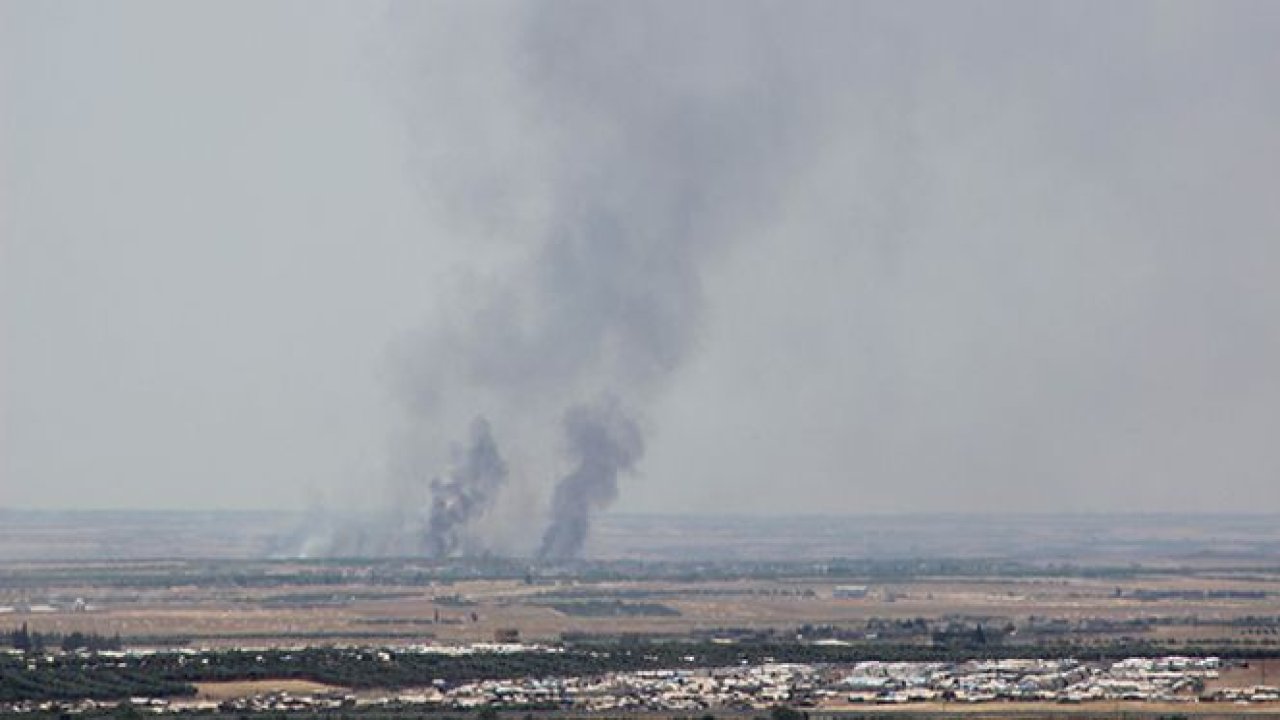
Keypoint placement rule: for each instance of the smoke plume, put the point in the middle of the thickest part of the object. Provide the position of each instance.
(604, 441)
(634, 188)
(477, 475)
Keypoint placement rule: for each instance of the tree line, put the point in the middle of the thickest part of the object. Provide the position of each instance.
(27, 640)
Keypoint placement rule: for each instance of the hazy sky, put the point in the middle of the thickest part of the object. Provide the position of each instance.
(837, 257)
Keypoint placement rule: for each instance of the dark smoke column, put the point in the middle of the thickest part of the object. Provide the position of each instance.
(477, 476)
(678, 129)
(605, 442)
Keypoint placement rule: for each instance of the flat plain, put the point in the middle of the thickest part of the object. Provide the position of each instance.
(224, 580)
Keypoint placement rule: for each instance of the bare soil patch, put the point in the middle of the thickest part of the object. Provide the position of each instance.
(228, 690)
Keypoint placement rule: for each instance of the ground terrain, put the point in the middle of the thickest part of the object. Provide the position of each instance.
(953, 585)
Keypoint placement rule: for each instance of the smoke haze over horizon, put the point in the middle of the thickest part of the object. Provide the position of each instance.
(751, 257)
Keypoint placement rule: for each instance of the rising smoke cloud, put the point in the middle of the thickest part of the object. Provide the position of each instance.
(640, 186)
(605, 441)
(478, 473)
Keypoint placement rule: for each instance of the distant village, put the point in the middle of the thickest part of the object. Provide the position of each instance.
(762, 686)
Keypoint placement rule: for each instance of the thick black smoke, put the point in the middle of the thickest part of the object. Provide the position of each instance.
(604, 441)
(478, 473)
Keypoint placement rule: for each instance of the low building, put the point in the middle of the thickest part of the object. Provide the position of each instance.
(849, 592)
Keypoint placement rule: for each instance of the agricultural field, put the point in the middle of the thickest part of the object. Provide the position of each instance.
(248, 620)
(1177, 583)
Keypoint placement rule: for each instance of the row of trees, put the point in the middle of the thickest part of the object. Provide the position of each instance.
(27, 640)
(66, 682)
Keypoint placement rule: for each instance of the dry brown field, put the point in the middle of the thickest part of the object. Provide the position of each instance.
(1170, 554)
(229, 690)
(219, 616)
